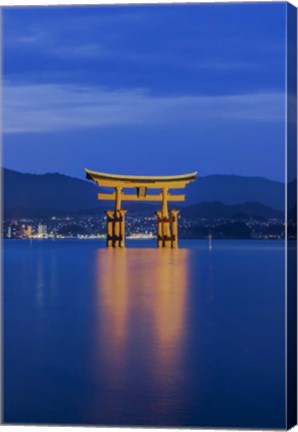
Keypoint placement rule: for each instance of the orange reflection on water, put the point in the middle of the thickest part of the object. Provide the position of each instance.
(141, 315)
(170, 280)
(112, 288)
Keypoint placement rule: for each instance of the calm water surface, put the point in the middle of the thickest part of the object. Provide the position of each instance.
(188, 337)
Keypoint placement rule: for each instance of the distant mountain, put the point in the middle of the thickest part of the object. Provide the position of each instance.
(234, 189)
(37, 195)
(46, 194)
(217, 209)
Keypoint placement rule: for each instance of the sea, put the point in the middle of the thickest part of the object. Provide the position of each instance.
(188, 337)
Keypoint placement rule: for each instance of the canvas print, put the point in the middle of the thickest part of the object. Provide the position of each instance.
(149, 215)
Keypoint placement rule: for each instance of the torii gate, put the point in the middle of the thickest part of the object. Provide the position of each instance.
(167, 225)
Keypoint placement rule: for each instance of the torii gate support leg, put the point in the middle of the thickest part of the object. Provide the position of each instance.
(166, 234)
(159, 230)
(110, 228)
(122, 228)
(174, 222)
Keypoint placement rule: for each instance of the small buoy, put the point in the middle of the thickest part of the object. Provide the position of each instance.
(210, 241)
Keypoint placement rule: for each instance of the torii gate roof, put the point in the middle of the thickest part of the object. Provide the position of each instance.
(113, 180)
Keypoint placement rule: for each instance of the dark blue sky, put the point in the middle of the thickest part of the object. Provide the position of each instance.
(145, 89)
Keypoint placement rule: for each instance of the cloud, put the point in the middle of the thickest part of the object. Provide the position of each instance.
(90, 50)
(221, 65)
(49, 29)
(36, 108)
(30, 37)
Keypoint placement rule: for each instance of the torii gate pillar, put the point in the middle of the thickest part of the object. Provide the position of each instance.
(167, 226)
(116, 223)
